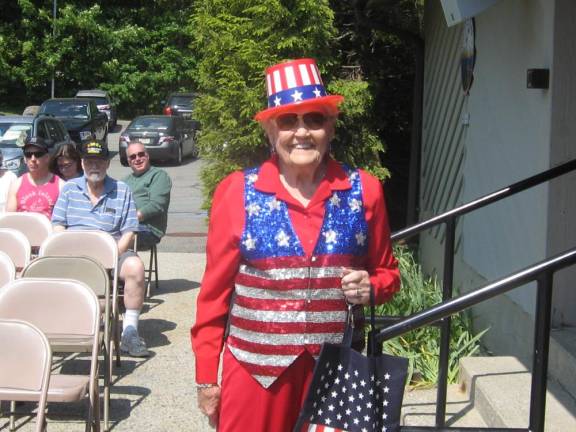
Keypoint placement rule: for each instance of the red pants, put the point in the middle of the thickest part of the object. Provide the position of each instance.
(246, 406)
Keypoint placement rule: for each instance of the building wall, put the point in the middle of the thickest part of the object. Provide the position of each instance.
(562, 201)
(507, 139)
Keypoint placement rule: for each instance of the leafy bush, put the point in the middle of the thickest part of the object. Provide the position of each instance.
(238, 39)
(422, 346)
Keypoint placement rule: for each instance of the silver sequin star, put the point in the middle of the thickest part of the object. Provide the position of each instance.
(335, 200)
(252, 178)
(282, 239)
(360, 239)
(253, 209)
(249, 243)
(354, 204)
(330, 236)
(273, 204)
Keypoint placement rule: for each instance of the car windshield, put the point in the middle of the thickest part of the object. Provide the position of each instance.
(14, 134)
(99, 100)
(78, 110)
(151, 123)
(181, 101)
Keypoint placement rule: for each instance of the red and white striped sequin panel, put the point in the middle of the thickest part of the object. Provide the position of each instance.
(284, 306)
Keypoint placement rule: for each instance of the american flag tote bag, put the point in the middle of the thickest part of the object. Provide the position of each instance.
(351, 392)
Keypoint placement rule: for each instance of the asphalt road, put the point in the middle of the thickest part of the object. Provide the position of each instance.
(187, 224)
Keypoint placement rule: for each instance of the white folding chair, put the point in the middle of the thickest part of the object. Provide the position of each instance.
(15, 244)
(68, 313)
(102, 247)
(93, 274)
(7, 269)
(35, 226)
(25, 360)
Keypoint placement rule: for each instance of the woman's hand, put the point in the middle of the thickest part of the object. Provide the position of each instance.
(209, 404)
(356, 286)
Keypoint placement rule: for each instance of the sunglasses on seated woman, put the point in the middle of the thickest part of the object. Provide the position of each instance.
(312, 120)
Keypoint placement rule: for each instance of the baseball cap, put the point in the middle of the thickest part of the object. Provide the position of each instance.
(36, 142)
(94, 149)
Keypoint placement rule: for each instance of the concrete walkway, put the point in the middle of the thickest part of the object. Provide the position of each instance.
(155, 394)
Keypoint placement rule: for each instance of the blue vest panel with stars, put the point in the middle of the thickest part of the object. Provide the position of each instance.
(268, 231)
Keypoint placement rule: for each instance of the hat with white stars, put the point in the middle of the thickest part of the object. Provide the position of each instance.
(296, 83)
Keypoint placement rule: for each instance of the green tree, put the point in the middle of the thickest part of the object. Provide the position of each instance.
(139, 50)
(238, 39)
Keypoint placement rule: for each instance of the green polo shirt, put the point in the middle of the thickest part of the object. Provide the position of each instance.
(151, 192)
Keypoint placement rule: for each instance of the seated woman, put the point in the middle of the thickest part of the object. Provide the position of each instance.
(66, 162)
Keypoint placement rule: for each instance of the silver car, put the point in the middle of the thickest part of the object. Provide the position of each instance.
(15, 129)
(166, 138)
(104, 103)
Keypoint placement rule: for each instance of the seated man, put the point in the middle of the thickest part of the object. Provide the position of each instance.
(151, 191)
(98, 202)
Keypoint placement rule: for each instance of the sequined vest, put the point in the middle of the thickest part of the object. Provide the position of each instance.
(285, 302)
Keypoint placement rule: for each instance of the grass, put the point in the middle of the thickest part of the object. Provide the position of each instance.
(421, 346)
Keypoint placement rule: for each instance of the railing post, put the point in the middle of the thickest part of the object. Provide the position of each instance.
(447, 282)
(541, 347)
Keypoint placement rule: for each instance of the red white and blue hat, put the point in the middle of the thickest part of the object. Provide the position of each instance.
(296, 83)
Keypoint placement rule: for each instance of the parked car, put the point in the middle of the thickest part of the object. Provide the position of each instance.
(15, 129)
(179, 104)
(166, 138)
(104, 103)
(31, 110)
(81, 118)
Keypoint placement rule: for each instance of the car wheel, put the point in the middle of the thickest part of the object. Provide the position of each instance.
(179, 156)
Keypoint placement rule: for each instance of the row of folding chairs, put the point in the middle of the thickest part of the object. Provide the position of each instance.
(36, 228)
(87, 256)
(67, 312)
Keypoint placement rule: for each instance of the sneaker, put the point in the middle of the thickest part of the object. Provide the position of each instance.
(132, 344)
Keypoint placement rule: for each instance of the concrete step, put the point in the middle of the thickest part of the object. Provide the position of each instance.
(419, 408)
(499, 389)
(562, 358)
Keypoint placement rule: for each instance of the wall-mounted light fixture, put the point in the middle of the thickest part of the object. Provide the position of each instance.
(537, 78)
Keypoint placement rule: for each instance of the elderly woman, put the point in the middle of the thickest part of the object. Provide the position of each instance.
(291, 243)
(66, 162)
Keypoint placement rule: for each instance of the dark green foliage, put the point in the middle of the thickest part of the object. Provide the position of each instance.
(238, 40)
(421, 346)
(138, 50)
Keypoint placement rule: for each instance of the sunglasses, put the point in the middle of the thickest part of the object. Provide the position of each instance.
(312, 120)
(137, 155)
(36, 154)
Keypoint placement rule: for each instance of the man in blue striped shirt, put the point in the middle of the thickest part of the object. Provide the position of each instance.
(96, 201)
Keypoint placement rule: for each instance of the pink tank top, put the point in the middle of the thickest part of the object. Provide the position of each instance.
(37, 199)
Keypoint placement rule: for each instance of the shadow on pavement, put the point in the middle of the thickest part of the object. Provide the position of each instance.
(168, 286)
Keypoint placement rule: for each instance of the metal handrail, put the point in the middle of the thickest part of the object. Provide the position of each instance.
(541, 272)
(449, 219)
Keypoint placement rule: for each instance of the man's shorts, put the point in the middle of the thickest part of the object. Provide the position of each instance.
(123, 256)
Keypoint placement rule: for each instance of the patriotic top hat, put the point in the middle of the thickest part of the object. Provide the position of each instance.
(296, 83)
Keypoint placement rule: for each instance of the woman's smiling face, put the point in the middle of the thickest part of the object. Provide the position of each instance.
(301, 137)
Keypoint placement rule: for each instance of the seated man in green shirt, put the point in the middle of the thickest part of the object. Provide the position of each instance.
(151, 191)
